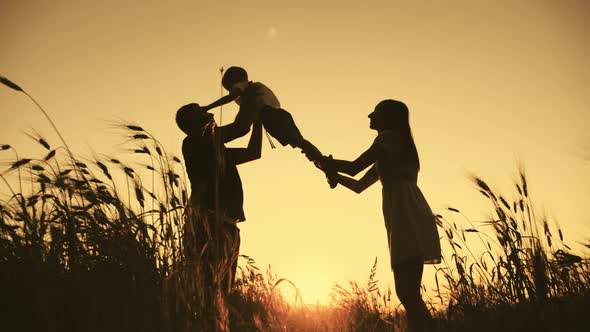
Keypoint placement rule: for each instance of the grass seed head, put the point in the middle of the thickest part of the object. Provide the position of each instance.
(10, 84)
(134, 128)
(50, 155)
(104, 169)
(143, 150)
(129, 171)
(44, 143)
(20, 163)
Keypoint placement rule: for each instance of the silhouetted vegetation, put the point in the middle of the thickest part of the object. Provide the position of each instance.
(100, 245)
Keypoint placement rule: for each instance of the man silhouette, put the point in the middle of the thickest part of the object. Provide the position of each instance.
(212, 238)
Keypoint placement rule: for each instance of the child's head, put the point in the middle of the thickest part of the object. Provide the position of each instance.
(232, 76)
(191, 118)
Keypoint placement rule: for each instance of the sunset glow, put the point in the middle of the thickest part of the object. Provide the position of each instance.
(488, 85)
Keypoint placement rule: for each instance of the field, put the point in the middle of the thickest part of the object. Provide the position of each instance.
(101, 245)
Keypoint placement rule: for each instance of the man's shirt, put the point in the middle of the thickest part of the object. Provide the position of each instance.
(201, 160)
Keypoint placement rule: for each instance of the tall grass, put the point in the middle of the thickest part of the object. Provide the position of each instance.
(101, 249)
(516, 263)
(75, 243)
(104, 244)
(95, 244)
(513, 272)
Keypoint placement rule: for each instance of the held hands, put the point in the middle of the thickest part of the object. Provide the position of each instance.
(327, 165)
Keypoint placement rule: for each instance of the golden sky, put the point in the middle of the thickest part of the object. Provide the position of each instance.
(487, 83)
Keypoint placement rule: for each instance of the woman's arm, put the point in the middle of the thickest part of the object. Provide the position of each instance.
(254, 149)
(352, 168)
(360, 185)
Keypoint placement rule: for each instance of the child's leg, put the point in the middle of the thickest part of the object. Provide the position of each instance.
(280, 124)
(311, 151)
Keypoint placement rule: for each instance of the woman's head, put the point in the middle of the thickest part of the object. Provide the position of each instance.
(191, 118)
(394, 115)
(390, 114)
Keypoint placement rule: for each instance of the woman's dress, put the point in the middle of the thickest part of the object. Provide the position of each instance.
(409, 221)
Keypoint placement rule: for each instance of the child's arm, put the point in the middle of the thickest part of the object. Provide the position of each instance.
(360, 185)
(221, 101)
(254, 149)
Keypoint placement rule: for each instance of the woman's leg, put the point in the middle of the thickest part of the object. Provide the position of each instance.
(408, 278)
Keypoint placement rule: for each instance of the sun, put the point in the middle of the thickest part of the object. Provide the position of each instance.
(307, 288)
(272, 32)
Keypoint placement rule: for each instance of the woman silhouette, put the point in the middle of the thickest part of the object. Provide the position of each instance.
(411, 229)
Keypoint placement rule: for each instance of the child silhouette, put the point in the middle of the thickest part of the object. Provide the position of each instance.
(258, 102)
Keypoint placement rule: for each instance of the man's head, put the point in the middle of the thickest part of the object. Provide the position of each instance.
(191, 118)
(232, 76)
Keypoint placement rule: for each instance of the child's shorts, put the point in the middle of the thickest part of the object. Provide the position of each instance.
(280, 125)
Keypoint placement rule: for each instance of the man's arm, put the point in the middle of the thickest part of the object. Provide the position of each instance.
(236, 129)
(254, 149)
(245, 117)
(360, 185)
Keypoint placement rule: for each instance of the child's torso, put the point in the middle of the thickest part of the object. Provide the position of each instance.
(262, 96)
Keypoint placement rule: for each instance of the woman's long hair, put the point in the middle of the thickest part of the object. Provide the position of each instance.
(397, 119)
